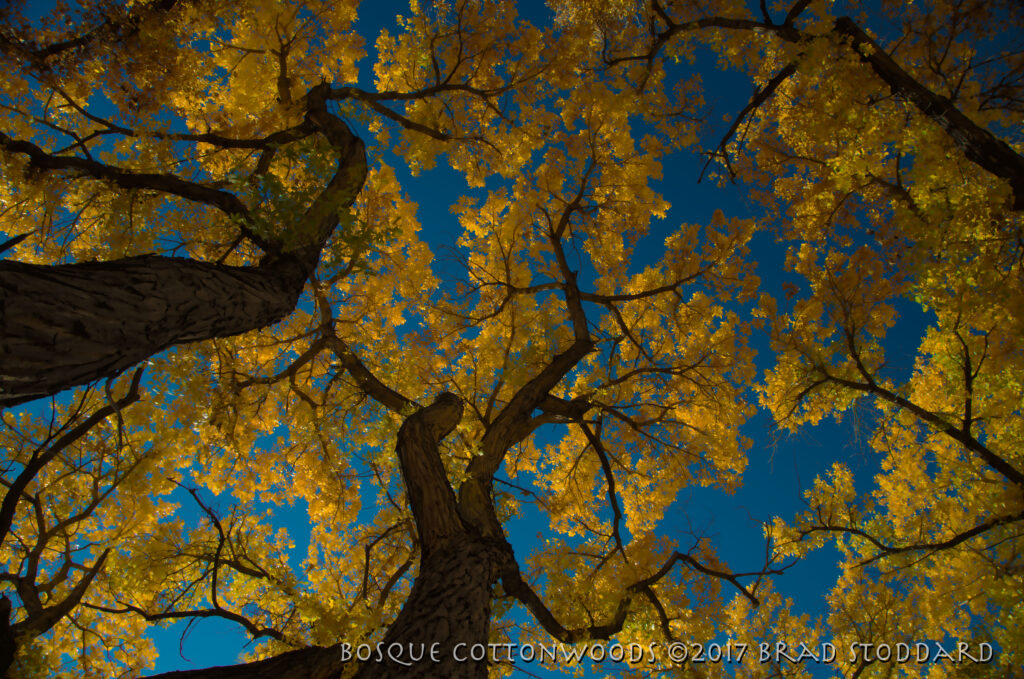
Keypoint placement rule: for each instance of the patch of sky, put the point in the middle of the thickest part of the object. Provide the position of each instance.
(197, 644)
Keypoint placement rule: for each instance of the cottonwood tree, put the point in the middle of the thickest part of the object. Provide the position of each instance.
(415, 415)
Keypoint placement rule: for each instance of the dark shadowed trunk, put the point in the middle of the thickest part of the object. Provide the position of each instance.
(66, 325)
(977, 143)
(445, 622)
(8, 644)
(69, 325)
(316, 662)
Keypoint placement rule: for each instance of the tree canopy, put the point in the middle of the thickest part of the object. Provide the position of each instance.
(219, 306)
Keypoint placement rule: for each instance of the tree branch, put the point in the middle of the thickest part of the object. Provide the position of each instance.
(885, 549)
(977, 143)
(41, 459)
(430, 493)
(970, 442)
(514, 584)
(227, 203)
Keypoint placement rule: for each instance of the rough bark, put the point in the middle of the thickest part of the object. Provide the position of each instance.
(8, 644)
(978, 144)
(430, 494)
(63, 326)
(68, 325)
(446, 620)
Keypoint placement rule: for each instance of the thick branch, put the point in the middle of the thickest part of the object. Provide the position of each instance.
(514, 584)
(885, 549)
(308, 355)
(759, 97)
(45, 619)
(513, 422)
(609, 477)
(125, 28)
(977, 143)
(316, 662)
(126, 179)
(252, 628)
(322, 216)
(72, 324)
(995, 461)
(366, 380)
(430, 493)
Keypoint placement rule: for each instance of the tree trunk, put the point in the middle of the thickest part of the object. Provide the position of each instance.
(315, 662)
(443, 628)
(443, 625)
(63, 326)
(8, 644)
(67, 325)
(446, 620)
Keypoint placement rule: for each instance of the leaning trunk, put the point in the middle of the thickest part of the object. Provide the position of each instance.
(63, 326)
(69, 325)
(315, 662)
(444, 625)
(978, 144)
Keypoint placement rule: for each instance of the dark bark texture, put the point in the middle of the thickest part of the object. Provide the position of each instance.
(430, 495)
(8, 644)
(446, 615)
(446, 619)
(316, 662)
(68, 325)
